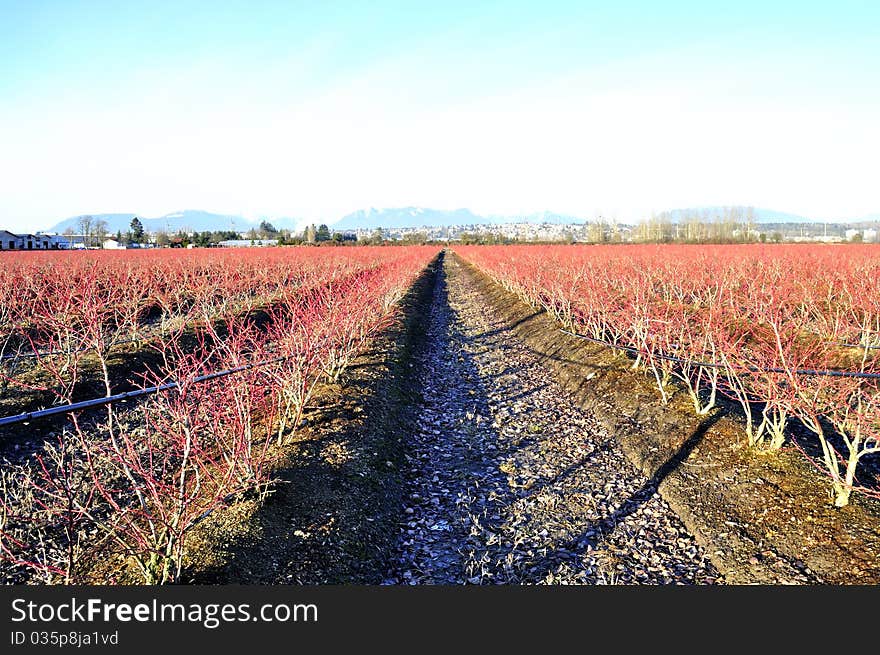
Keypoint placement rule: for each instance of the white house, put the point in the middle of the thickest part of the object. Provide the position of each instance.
(112, 244)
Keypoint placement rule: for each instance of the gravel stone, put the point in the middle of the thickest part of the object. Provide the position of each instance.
(511, 482)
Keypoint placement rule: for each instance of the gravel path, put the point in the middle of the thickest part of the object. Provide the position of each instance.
(510, 482)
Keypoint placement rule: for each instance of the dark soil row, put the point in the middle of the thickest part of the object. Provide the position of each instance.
(509, 481)
(332, 515)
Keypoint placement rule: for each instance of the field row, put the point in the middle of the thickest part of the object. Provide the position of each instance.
(744, 321)
(134, 482)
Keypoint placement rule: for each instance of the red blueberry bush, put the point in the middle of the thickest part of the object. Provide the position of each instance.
(134, 481)
(746, 321)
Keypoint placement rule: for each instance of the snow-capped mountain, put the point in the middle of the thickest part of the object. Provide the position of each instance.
(190, 220)
(367, 219)
(398, 217)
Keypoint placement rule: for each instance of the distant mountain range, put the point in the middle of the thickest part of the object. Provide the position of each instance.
(367, 219)
(400, 217)
(190, 220)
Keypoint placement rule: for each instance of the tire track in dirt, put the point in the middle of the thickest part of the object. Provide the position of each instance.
(508, 481)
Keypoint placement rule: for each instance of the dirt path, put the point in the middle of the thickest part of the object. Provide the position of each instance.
(508, 481)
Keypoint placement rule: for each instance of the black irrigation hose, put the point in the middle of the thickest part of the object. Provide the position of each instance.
(750, 369)
(121, 397)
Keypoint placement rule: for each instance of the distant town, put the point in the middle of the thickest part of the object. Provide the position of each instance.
(681, 227)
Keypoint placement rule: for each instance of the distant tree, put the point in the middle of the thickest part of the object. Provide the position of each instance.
(267, 230)
(337, 237)
(750, 222)
(858, 237)
(137, 230)
(595, 232)
(224, 235)
(763, 237)
(309, 234)
(162, 238)
(415, 237)
(100, 232)
(85, 225)
(323, 233)
(777, 237)
(377, 238)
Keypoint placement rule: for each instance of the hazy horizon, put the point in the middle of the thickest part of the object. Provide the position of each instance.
(312, 112)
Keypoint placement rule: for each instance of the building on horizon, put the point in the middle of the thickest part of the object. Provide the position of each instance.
(11, 241)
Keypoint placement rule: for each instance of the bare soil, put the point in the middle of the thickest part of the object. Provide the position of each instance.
(332, 515)
(510, 481)
(450, 456)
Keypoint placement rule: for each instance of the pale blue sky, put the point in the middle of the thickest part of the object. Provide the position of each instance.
(314, 109)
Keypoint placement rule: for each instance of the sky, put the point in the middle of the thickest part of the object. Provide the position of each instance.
(317, 109)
